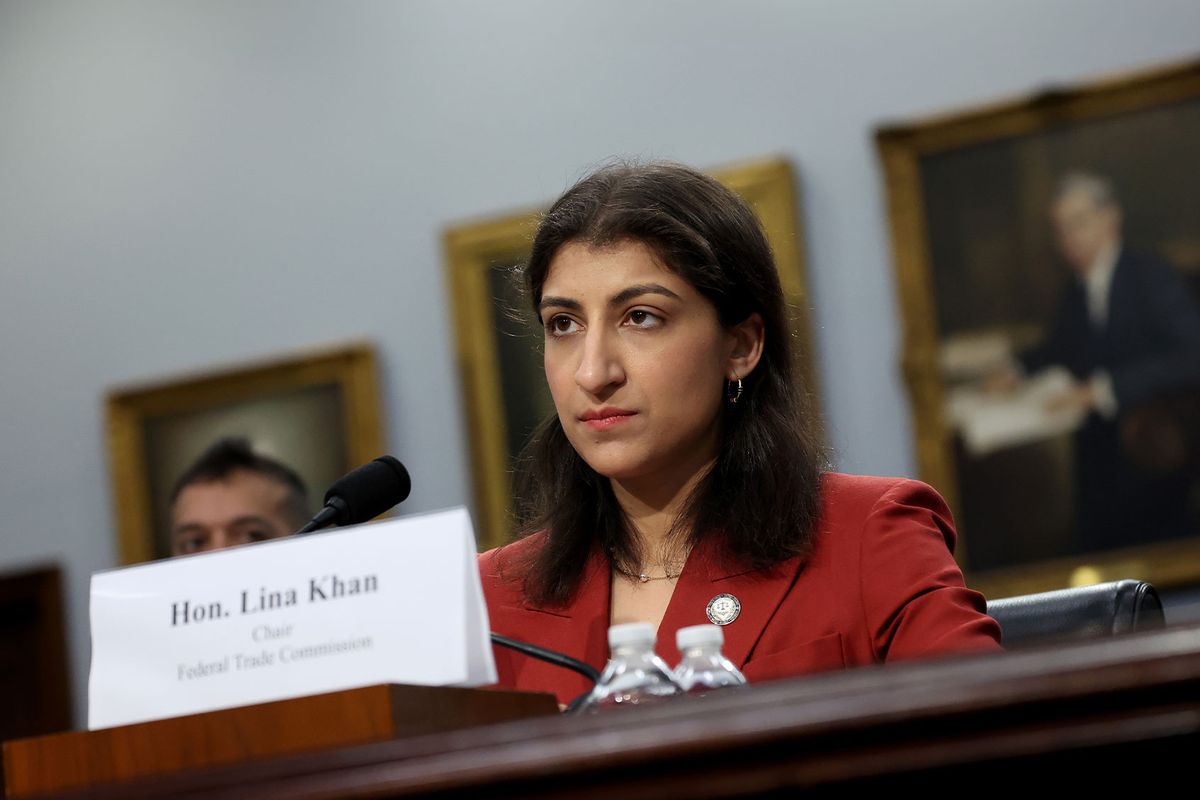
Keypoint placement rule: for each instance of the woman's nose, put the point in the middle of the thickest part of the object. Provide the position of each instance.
(600, 364)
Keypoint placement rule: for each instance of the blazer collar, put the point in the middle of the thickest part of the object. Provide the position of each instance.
(709, 573)
(580, 628)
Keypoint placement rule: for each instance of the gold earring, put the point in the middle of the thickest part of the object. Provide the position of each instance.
(733, 389)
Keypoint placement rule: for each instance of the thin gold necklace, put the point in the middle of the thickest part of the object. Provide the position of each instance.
(642, 577)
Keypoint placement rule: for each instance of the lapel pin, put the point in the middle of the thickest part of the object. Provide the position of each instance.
(723, 609)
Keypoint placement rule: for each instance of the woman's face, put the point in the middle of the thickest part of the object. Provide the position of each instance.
(636, 360)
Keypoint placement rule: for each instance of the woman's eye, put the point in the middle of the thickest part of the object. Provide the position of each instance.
(560, 326)
(644, 319)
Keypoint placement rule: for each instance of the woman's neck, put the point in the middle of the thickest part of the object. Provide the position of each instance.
(653, 507)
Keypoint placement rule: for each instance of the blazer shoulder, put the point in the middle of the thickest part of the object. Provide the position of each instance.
(500, 568)
(896, 541)
(866, 491)
(848, 501)
(499, 557)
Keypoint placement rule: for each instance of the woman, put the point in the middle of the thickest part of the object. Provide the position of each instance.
(681, 481)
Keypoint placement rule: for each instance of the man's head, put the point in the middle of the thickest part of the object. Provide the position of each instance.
(231, 496)
(1086, 217)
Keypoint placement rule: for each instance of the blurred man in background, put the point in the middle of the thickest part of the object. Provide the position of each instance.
(233, 496)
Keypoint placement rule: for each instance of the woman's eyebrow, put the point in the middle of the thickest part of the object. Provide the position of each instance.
(625, 295)
(560, 302)
(621, 297)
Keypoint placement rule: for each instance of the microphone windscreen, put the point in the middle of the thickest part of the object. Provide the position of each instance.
(371, 489)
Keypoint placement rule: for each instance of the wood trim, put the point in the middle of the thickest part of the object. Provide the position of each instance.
(914, 725)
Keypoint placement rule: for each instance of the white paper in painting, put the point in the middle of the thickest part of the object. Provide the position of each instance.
(989, 422)
(390, 602)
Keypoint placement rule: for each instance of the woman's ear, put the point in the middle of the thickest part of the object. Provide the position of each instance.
(747, 340)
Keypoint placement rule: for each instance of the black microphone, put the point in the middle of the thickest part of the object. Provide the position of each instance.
(362, 494)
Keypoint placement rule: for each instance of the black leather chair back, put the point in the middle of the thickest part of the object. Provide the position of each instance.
(1086, 612)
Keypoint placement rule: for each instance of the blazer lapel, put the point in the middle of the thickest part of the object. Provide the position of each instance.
(706, 575)
(578, 630)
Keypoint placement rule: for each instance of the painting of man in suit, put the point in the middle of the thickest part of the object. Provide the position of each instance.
(1127, 331)
(1048, 266)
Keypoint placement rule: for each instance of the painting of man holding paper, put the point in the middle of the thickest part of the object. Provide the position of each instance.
(1124, 340)
(1128, 332)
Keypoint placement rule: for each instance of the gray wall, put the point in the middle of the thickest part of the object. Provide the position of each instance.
(184, 184)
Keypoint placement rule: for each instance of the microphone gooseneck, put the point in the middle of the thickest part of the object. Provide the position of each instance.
(550, 656)
(558, 659)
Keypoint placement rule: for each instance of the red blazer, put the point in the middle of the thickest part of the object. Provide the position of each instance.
(880, 585)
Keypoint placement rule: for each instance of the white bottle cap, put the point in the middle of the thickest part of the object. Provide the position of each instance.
(631, 633)
(699, 636)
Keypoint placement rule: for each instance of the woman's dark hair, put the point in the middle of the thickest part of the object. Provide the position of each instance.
(762, 496)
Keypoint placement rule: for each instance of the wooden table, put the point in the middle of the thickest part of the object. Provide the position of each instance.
(1092, 712)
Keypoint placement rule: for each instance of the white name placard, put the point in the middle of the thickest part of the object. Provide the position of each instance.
(389, 602)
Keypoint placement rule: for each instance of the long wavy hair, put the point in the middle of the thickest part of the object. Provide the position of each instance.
(762, 495)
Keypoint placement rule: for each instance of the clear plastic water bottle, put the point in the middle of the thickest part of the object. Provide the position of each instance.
(703, 667)
(634, 674)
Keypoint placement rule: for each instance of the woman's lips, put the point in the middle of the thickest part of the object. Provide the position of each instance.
(605, 418)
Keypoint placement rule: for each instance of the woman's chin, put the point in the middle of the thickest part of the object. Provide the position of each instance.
(618, 468)
(630, 466)
(619, 473)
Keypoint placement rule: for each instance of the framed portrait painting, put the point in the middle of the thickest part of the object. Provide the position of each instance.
(499, 340)
(317, 412)
(1048, 255)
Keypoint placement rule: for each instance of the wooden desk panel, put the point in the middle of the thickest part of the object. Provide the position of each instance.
(235, 735)
(1088, 707)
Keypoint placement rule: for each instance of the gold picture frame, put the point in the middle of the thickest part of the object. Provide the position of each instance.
(1110, 127)
(317, 411)
(494, 348)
